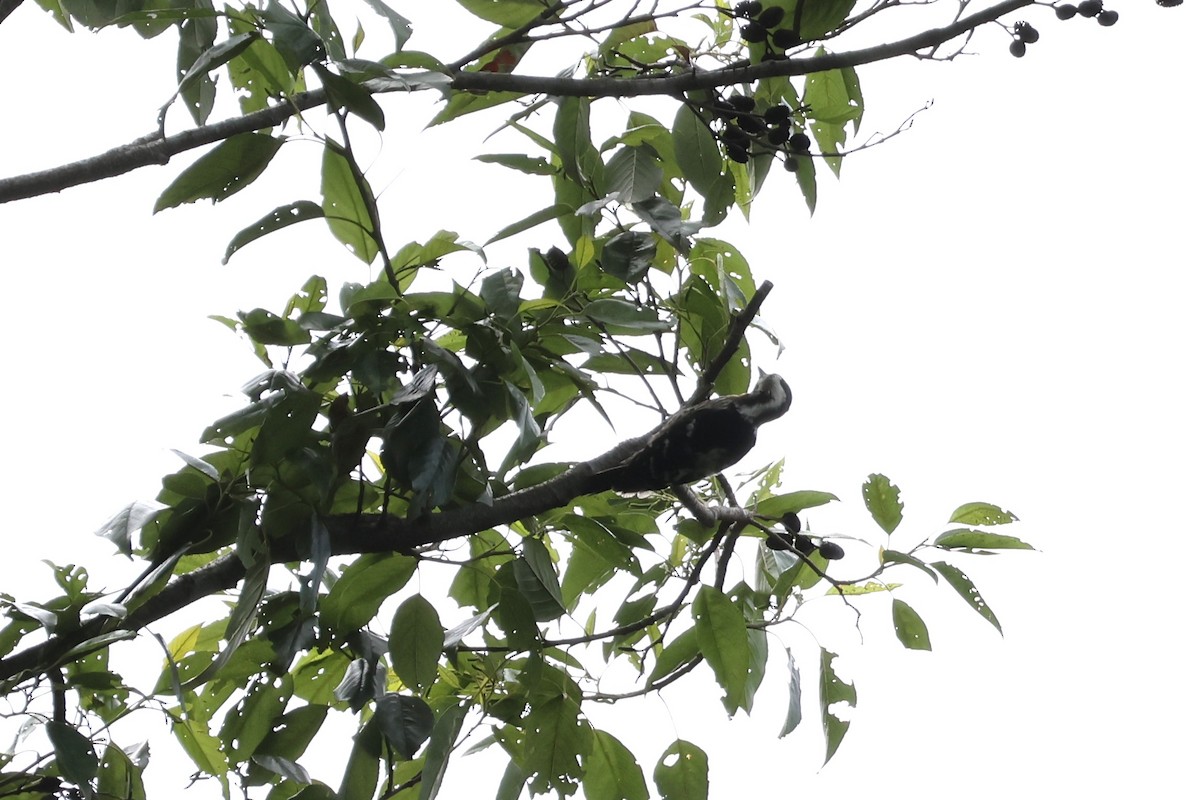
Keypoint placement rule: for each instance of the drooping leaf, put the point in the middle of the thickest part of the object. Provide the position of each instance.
(794, 708)
(910, 628)
(405, 721)
(682, 772)
(538, 582)
(696, 151)
(362, 587)
(612, 773)
(225, 170)
(415, 643)
(346, 200)
(834, 691)
(967, 591)
(73, 753)
(882, 499)
(721, 634)
(968, 539)
(441, 741)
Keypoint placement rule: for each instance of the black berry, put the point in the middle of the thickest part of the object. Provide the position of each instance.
(777, 115)
(1090, 8)
(777, 136)
(1169, 3)
(1107, 18)
(749, 9)
(754, 33)
(791, 522)
(751, 123)
(799, 143)
(771, 17)
(741, 102)
(1065, 11)
(786, 39)
(804, 545)
(791, 164)
(832, 550)
(1026, 32)
(1017, 48)
(739, 154)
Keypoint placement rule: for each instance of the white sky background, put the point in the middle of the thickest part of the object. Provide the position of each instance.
(998, 305)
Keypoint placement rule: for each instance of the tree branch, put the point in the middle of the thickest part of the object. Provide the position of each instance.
(157, 149)
(353, 534)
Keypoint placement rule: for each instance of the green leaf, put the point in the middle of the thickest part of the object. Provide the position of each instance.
(441, 742)
(345, 198)
(982, 514)
(356, 596)
(538, 582)
(794, 708)
(833, 692)
(682, 772)
(780, 504)
(819, 17)
(634, 173)
(280, 218)
(968, 539)
(216, 56)
(73, 753)
(401, 27)
(967, 591)
(415, 643)
(629, 255)
(910, 628)
(520, 162)
(119, 777)
(506, 13)
(296, 42)
(721, 633)
(345, 93)
(624, 314)
(882, 498)
(572, 133)
(225, 170)
(682, 650)
(265, 327)
(896, 557)
(405, 721)
(611, 771)
(696, 151)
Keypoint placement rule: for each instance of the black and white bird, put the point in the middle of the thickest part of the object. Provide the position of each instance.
(699, 441)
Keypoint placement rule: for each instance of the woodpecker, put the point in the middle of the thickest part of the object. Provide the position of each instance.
(699, 441)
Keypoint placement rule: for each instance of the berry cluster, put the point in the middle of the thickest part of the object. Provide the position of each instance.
(761, 26)
(1023, 34)
(1094, 8)
(793, 539)
(742, 127)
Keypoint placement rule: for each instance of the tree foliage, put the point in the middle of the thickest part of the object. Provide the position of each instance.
(396, 446)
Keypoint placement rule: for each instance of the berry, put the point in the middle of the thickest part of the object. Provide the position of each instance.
(786, 39)
(739, 154)
(741, 102)
(804, 544)
(748, 9)
(751, 123)
(754, 33)
(1026, 32)
(791, 164)
(1090, 8)
(1169, 3)
(832, 550)
(735, 136)
(777, 136)
(780, 541)
(1017, 48)
(777, 115)
(771, 17)
(1065, 11)
(1107, 18)
(799, 143)
(722, 109)
(791, 522)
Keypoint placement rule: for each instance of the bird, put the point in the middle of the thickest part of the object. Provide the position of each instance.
(698, 441)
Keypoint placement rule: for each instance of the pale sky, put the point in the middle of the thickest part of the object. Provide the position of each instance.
(998, 305)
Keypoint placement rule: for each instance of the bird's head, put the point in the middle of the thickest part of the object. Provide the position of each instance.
(770, 399)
